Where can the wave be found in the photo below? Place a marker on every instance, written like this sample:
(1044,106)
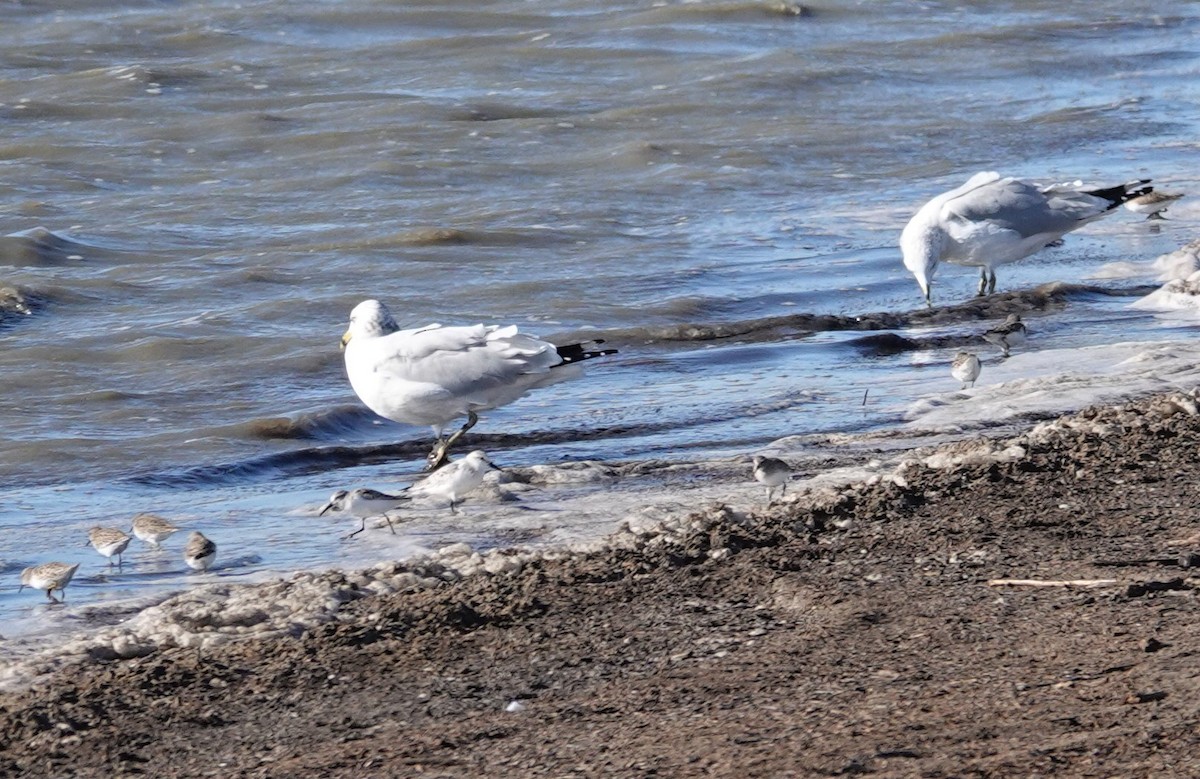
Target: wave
(325,458)
(1047,297)
(317,425)
(39,246)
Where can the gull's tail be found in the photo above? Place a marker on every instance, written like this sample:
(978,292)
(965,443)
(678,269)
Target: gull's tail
(1122,192)
(573,353)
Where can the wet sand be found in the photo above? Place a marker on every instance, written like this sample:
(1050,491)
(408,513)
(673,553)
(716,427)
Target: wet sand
(850,631)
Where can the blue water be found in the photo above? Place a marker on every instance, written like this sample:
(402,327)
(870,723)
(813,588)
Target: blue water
(198,196)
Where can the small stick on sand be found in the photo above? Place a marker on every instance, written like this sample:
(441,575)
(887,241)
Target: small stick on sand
(1052,582)
(868,389)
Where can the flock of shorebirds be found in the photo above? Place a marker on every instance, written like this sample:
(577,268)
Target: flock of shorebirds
(434,375)
(199,553)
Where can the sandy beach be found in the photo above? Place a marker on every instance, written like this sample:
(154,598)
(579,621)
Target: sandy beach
(863,630)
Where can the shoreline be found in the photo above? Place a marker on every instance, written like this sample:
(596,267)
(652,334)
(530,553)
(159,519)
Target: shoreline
(846,629)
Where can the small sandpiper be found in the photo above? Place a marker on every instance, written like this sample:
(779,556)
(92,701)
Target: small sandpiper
(965,368)
(199,553)
(152,529)
(772,472)
(453,481)
(364,503)
(1011,333)
(49,577)
(1152,204)
(109,541)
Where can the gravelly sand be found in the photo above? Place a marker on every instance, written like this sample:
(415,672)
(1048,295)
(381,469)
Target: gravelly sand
(849,631)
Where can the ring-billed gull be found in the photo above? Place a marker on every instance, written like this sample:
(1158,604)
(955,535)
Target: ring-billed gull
(1011,333)
(772,472)
(991,221)
(965,368)
(1152,204)
(49,577)
(432,375)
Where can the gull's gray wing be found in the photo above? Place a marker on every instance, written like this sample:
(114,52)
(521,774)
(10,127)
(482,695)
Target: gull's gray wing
(1010,204)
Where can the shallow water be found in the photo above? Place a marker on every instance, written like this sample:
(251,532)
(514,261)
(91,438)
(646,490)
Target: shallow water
(197,196)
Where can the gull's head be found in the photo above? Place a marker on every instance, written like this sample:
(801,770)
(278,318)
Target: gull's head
(336,502)
(369,319)
(922,243)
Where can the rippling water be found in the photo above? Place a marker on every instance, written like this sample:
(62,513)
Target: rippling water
(198,194)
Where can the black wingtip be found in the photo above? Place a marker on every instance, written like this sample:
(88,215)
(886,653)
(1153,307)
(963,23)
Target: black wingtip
(1122,192)
(573,353)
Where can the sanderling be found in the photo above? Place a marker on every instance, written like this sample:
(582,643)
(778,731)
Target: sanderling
(991,221)
(152,529)
(109,541)
(49,577)
(364,503)
(1152,204)
(453,481)
(1011,333)
(199,553)
(432,375)
(772,472)
(965,368)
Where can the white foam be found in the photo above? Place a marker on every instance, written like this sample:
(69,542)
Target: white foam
(1178,295)
(1179,264)
(1056,381)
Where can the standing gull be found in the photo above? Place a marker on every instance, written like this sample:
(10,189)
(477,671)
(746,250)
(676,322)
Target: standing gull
(991,221)
(965,368)
(432,375)
(1011,333)
(48,577)
(1152,204)
(773,473)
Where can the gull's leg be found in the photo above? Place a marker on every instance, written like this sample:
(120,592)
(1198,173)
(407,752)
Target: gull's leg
(440,454)
(389,521)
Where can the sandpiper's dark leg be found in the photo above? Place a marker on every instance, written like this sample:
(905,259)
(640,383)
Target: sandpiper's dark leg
(361,528)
